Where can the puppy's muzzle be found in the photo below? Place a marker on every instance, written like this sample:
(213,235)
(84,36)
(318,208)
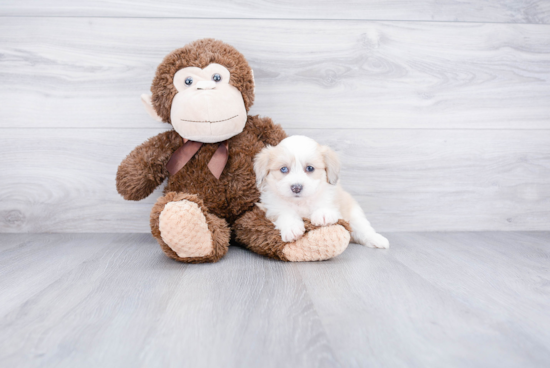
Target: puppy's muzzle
(296,188)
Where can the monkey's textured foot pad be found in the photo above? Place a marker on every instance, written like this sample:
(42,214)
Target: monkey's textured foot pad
(183,228)
(258,234)
(318,244)
(186,231)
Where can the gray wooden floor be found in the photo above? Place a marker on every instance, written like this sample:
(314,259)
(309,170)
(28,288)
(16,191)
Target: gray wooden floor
(432,300)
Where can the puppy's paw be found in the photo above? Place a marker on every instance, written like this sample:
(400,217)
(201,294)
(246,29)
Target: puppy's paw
(291,227)
(372,240)
(292,232)
(378,241)
(324,217)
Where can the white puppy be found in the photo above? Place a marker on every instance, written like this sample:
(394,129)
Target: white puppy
(299,178)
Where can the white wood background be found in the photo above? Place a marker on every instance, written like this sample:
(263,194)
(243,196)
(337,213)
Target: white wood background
(440,110)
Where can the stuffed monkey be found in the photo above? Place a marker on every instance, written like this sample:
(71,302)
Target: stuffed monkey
(205,90)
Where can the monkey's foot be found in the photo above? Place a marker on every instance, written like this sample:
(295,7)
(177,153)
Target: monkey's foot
(183,227)
(186,231)
(318,244)
(259,234)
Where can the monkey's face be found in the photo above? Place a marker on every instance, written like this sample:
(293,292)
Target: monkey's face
(206,107)
(204,90)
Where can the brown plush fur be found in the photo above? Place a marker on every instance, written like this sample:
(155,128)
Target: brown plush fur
(255,230)
(200,54)
(217,226)
(144,168)
(234,193)
(222,201)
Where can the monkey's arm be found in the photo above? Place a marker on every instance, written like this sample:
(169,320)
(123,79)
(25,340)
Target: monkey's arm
(144,168)
(267,131)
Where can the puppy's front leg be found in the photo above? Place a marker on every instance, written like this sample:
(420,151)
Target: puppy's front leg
(325,216)
(291,227)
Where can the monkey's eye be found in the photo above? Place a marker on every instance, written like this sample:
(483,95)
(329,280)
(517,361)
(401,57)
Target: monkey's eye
(188,81)
(284,169)
(216,77)
(310,168)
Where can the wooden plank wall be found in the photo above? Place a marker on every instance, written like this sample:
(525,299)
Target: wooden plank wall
(440,110)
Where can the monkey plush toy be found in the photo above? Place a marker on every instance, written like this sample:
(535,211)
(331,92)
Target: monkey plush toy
(204,90)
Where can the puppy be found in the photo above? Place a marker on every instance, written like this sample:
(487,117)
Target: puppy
(299,178)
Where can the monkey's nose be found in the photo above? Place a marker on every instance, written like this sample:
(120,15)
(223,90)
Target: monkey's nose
(296,188)
(206,85)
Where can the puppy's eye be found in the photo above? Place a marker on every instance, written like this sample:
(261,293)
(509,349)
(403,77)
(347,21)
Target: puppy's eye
(284,169)
(310,168)
(188,81)
(216,77)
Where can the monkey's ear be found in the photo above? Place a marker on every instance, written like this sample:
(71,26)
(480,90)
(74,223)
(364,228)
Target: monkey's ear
(146,99)
(253,81)
(332,164)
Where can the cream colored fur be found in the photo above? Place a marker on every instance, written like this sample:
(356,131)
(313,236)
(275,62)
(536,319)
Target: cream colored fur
(321,199)
(183,227)
(320,244)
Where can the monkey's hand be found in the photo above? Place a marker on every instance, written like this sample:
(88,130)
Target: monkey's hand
(144,168)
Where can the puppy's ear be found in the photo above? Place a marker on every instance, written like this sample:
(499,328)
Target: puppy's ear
(332,164)
(261,165)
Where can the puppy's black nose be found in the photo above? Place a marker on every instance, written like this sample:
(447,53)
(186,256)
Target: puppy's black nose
(296,188)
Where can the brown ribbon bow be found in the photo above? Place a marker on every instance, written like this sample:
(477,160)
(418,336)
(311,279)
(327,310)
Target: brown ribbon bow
(188,150)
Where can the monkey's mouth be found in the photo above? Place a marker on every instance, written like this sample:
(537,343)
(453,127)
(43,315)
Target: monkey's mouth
(209,122)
